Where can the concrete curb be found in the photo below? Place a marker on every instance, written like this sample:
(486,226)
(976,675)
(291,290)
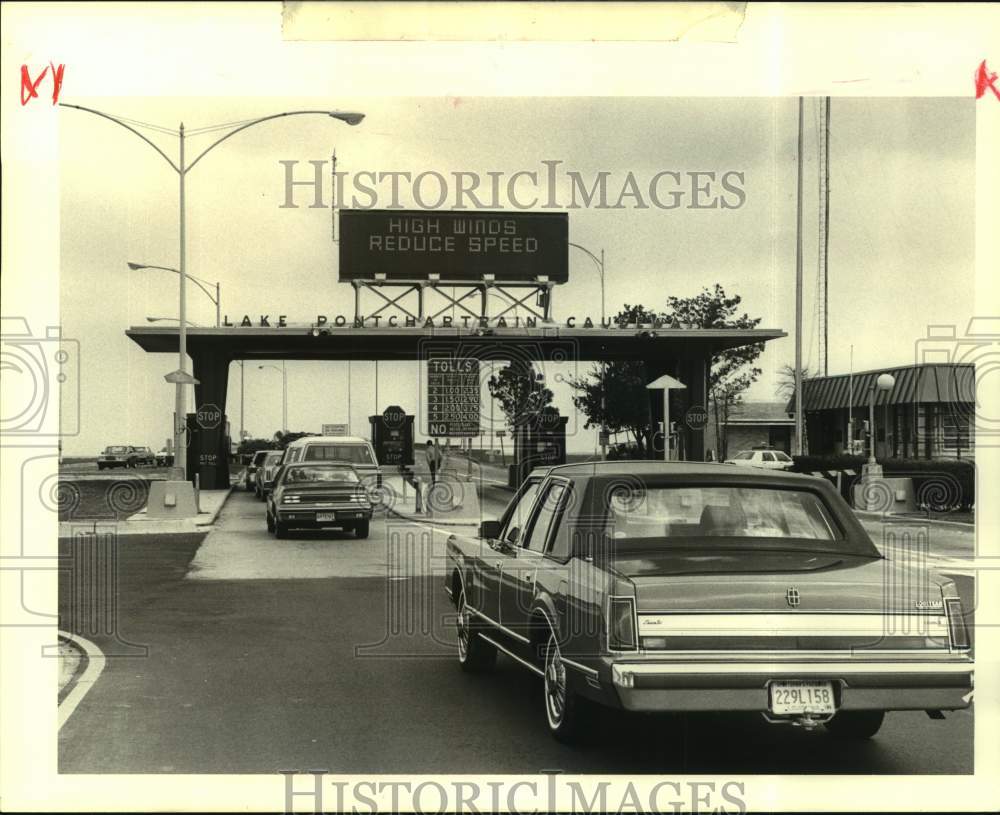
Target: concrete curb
(94,665)
(881,516)
(430,519)
(138,525)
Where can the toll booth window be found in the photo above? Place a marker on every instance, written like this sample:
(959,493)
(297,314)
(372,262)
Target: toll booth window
(350,453)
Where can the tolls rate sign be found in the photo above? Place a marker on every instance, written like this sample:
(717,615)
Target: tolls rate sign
(452,397)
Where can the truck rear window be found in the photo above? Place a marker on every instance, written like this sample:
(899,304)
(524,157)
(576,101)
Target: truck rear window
(349,453)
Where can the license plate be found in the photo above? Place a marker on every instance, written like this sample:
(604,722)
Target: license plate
(802,697)
(326,517)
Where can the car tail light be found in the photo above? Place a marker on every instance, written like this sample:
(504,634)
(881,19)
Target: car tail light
(621,624)
(958,633)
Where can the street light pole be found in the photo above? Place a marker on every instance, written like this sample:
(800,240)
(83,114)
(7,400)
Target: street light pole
(284,392)
(600,271)
(180,377)
(180,417)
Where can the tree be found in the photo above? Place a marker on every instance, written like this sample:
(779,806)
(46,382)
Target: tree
(282,440)
(520,391)
(615,399)
(250,446)
(732,371)
(786,380)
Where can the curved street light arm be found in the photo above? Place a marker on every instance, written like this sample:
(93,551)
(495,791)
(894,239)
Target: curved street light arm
(591,255)
(232,133)
(110,118)
(196,280)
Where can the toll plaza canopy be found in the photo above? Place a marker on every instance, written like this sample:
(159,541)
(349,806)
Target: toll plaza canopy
(683,353)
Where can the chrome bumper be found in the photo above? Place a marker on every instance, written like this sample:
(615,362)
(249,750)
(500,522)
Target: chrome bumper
(743,686)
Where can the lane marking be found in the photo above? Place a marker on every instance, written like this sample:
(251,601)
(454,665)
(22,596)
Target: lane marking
(95,665)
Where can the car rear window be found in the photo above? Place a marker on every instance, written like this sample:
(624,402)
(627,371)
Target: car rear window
(325,475)
(672,513)
(784,457)
(349,453)
(117,450)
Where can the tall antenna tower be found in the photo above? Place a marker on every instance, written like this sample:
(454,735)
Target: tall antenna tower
(824,234)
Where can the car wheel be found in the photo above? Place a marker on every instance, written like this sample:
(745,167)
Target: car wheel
(280,530)
(475,654)
(855,724)
(270,523)
(361,529)
(563,708)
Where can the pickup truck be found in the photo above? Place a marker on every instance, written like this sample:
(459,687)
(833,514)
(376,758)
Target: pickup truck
(675,586)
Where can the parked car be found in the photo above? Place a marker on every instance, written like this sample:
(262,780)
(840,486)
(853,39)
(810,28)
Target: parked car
(701,587)
(353,450)
(116,455)
(164,459)
(764,458)
(144,456)
(318,495)
(250,474)
(268,468)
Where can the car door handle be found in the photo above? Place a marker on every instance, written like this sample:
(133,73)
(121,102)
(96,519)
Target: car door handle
(498,565)
(529,578)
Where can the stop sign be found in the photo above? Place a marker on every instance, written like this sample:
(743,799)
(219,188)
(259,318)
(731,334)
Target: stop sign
(394,417)
(209,416)
(696,417)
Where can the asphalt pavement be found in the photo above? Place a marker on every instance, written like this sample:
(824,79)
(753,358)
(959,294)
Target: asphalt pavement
(238,653)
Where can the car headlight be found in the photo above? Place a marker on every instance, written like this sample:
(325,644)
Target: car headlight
(290,499)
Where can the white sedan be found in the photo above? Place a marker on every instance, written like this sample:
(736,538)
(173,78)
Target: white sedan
(765,459)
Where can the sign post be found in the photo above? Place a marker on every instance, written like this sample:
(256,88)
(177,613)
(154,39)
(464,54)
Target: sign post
(666,384)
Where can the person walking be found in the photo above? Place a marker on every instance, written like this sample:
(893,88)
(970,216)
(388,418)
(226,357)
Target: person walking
(433,454)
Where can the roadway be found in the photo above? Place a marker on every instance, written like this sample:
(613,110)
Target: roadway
(329,652)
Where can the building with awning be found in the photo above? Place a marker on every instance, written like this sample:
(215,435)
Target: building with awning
(928,413)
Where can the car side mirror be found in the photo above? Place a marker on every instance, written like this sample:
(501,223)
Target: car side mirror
(489,529)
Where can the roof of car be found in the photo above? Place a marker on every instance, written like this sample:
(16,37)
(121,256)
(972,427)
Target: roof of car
(323,463)
(328,439)
(633,467)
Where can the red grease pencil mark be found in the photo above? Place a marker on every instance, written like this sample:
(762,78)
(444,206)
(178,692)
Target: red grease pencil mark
(29,87)
(985,79)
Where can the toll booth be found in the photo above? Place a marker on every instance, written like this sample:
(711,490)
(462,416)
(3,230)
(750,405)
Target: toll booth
(538,442)
(208,449)
(392,437)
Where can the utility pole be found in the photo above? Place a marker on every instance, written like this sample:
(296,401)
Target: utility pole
(824,238)
(798,298)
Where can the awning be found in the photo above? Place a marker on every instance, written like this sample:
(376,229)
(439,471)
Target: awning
(915,384)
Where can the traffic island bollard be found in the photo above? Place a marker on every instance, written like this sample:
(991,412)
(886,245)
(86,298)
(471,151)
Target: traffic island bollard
(418,490)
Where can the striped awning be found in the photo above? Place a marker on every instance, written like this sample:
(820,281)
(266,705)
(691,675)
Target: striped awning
(915,384)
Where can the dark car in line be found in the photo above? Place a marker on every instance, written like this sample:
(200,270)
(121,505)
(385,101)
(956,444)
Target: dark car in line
(318,495)
(266,471)
(250,474)
(117,455)
(144,457)
(669,586)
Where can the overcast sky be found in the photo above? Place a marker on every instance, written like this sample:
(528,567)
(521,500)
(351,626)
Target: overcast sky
(901,229)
